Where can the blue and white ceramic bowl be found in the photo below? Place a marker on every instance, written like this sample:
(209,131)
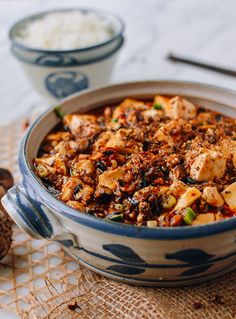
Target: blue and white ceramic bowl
(138,255)
(55,74)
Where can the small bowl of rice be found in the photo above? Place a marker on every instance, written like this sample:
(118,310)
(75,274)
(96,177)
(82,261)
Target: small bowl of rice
(64,51)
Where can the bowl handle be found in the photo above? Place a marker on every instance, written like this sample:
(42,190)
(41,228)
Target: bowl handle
(33,221)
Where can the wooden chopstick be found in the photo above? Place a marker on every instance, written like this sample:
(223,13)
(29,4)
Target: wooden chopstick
(215,68)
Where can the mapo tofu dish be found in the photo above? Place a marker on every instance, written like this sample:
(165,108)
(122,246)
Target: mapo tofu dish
(156,163)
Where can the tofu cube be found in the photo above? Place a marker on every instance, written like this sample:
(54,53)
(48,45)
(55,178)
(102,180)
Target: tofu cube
(188,198)
(208,166)
(229,195)
(108,181)
(162,100)
(180,108)
(212,196)
(203,219)
(177,188)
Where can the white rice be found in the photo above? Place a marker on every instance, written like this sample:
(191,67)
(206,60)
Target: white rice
(66,30)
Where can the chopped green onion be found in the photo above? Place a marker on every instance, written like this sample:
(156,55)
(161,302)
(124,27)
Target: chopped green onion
(41,171)
(115,120)
(189,215)
(158,106)
(168,201)
(59,112)
(115,217)
(119,207)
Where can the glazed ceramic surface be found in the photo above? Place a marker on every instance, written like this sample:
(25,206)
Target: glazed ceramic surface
(55,74)
(139,255)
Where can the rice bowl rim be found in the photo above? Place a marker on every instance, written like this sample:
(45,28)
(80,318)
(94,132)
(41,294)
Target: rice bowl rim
(34,16)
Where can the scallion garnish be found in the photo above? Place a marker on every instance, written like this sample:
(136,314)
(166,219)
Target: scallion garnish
(189,215)
(115,217)
(157,106)
(59,113)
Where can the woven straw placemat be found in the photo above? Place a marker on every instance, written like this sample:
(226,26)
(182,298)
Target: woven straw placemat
(39,280)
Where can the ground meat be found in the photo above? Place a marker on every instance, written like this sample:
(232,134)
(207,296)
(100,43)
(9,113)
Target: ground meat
(159,163)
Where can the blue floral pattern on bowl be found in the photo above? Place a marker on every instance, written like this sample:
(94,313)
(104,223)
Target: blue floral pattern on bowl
(130,263)
(63,83)
(56,60)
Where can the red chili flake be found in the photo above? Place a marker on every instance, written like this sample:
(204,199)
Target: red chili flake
(197,305)
(25,125)
(73,307)
(158,181)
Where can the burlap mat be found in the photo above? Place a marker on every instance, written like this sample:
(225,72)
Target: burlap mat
(38,280)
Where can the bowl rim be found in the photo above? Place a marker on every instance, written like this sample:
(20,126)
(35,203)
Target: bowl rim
(79,63)
(144,232)
(24,47)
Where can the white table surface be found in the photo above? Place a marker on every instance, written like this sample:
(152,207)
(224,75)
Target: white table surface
(202,29)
